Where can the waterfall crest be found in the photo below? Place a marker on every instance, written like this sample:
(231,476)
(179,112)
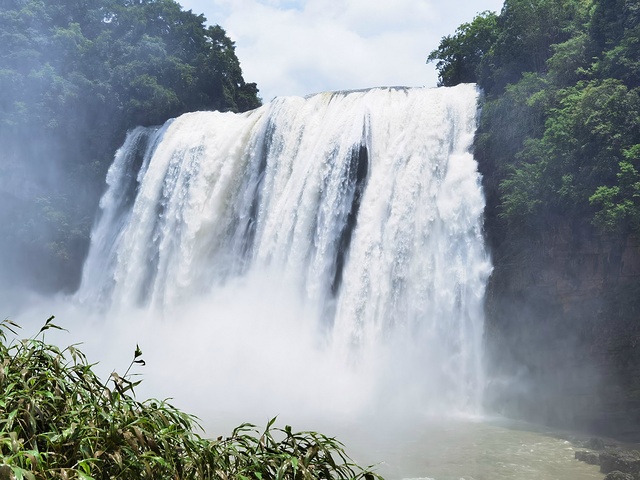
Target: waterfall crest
(366,204)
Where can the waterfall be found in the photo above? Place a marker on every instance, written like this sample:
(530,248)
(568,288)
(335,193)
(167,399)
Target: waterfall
(365,205)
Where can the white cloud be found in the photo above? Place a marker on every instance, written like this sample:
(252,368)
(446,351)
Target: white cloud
(299,47)
(373,18)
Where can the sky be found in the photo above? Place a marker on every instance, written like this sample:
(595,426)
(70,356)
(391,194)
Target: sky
(299,47)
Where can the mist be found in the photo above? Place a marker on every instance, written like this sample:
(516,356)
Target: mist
(74,79)
(244,324)
(230,361)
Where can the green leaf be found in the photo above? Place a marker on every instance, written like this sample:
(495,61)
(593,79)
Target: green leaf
(21,473)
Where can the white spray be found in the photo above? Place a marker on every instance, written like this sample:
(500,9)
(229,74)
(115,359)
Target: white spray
(322,253)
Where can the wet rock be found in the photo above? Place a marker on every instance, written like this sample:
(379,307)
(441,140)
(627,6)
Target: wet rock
(595,444)
(591,458)
(616,475)
(627,462)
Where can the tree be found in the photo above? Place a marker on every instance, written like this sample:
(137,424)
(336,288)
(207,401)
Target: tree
(458,56)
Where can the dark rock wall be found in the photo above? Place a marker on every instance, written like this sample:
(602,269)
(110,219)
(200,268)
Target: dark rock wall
(563,328)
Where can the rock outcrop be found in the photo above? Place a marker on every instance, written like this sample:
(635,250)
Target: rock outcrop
(588,457)
(617,464)
(563,329)
(619,476)
(627,462)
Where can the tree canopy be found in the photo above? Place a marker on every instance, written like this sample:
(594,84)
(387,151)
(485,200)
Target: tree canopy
(560,128)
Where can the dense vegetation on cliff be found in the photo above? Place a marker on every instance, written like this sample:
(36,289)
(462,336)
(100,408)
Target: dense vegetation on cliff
(558,146)
(58,420)
(74,77)
(560,131)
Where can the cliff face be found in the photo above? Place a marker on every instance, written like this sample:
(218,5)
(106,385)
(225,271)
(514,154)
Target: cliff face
(563,329)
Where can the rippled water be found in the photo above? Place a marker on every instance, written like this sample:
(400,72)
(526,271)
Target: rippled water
(470,450)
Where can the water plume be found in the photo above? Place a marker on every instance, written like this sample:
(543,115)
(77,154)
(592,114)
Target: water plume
(321,254)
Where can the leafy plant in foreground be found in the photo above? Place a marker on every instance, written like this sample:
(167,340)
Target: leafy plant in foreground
(59,420)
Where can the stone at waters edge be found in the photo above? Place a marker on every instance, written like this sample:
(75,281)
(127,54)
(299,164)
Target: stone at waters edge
(595,444)
(619,465)
(591,458)
(627,462)
(616,475)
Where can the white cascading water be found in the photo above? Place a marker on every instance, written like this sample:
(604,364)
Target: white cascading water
(365,206)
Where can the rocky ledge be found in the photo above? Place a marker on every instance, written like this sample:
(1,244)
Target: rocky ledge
(618,464)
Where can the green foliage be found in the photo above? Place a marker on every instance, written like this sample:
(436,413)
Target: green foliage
(585,135)
(58,420)
(567,64)
(561,116)
(458,57)
(522,195)
(620,204)
(526,31)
